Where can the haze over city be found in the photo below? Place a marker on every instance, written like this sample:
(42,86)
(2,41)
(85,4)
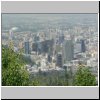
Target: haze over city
(51,43)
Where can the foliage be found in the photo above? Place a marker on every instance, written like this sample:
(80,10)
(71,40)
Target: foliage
(53,78)
(13,71)
(84,77)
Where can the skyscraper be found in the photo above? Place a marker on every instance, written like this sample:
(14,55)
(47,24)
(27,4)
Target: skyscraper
(27,49)
(77,47)
(34,47)
(59,59)
(68,51)
(49,58)
(83,48)
(10,35)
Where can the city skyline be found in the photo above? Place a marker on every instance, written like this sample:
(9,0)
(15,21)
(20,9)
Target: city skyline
(53,42)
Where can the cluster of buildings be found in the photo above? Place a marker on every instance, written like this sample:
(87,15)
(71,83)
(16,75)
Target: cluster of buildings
(55,49)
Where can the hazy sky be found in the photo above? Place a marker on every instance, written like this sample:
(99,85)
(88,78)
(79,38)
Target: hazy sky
(81,16)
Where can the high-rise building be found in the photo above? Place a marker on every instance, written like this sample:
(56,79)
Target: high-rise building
(77,47)
(27,49)
(59,59)
(49,58)
(47,46)
(34,47)
(10,35)
(43,47)
(61,38)
(68,51)
(36,38)
(83,48)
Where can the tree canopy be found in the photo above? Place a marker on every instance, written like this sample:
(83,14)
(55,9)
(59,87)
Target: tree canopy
(13,70)
(84,77)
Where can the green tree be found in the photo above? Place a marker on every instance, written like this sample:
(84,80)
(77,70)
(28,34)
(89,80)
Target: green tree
(66,75)
(13,70)
(84,77)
